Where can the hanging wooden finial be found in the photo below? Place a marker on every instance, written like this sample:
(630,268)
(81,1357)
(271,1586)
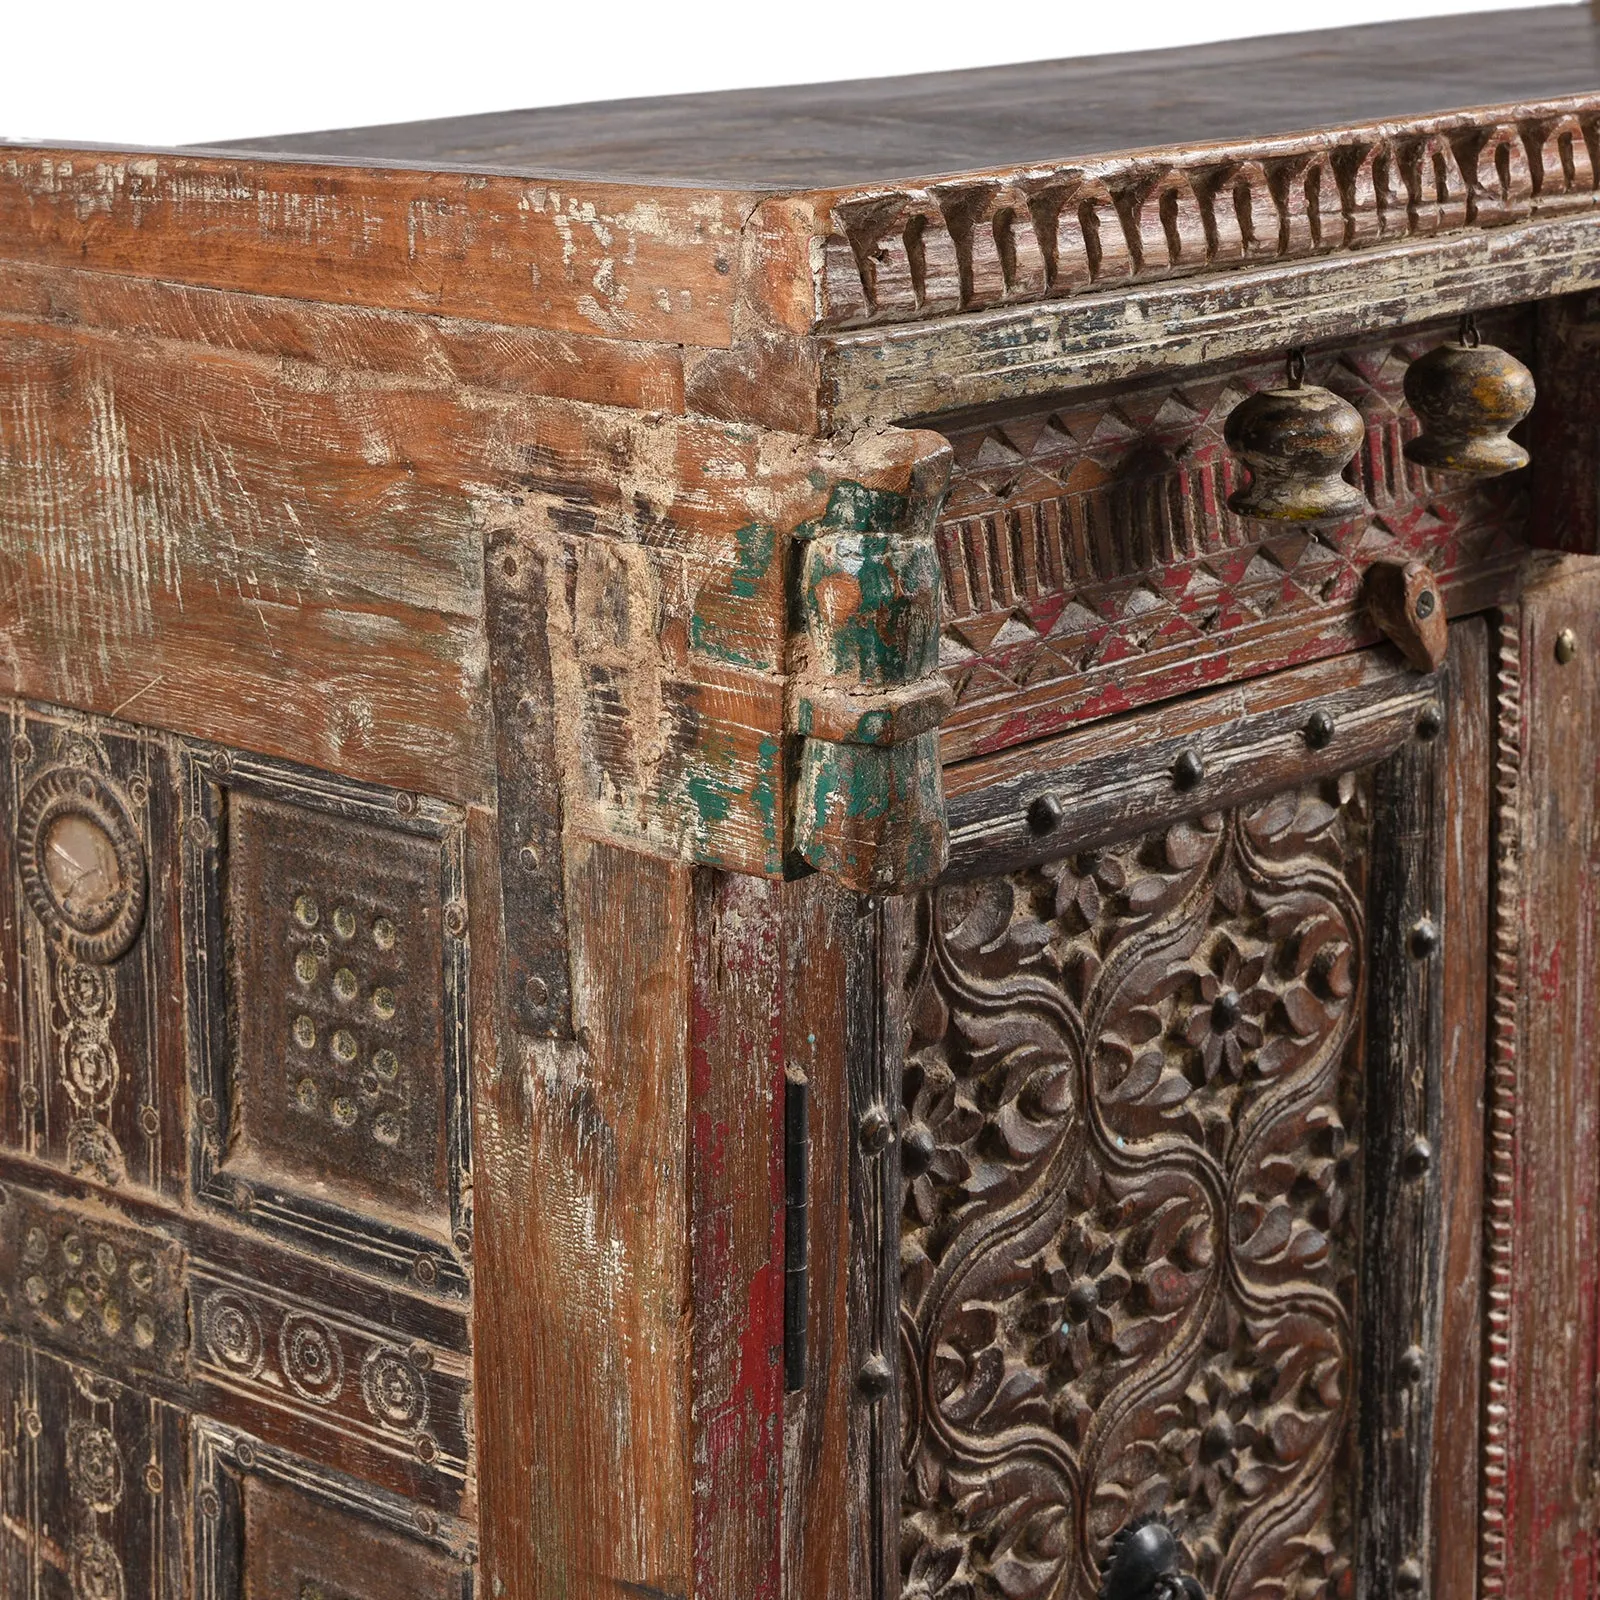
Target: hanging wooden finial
(1468,396)
(1296,441)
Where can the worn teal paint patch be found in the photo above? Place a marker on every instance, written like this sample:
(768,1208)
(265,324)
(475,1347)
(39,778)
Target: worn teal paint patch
(769,763)
(713,800)
(854,508)
(755,543)
(891,633)
(721,626)
(872,816)
(710,785)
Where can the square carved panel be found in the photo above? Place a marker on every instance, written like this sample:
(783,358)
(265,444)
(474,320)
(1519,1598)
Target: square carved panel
(269,1524)
(327,982)
(92,1288)
(338,961)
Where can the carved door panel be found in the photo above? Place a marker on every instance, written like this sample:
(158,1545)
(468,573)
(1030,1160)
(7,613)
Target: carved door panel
(1187,1030)
(235,1238)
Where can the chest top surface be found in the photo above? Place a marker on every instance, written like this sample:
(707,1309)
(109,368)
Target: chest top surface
(927,125)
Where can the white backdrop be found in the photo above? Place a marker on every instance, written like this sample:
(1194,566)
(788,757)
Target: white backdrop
(167,72)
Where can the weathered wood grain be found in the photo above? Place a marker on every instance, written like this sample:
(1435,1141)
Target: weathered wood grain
(612,260)
(584,1150)
(286,556)
(437,351)
(1453,1474)
(994,356)
(64,1450)
(176,549)
(875,1044)
(823,1546)
(1402,1245)
(736,1235)
(768,374)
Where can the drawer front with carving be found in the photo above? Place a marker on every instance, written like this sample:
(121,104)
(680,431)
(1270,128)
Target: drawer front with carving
(1091,563)
(235,1183)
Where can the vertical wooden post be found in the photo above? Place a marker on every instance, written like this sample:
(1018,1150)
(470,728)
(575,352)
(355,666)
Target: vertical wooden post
(1409,928)
(823,1550)
(584,1352)
(1544,1142)
(736,1236)
(1453,1475)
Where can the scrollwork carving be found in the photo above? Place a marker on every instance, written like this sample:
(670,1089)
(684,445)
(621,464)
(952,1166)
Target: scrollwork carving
(1127,1245)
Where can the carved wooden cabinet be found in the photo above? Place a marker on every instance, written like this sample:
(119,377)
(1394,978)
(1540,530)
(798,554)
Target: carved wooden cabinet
(684,915)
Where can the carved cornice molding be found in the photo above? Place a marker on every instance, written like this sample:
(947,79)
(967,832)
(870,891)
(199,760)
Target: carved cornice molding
(1050,232)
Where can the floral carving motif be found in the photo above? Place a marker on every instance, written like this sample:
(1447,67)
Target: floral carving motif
(1127,1246)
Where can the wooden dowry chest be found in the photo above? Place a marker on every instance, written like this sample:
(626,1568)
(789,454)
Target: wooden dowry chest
(737,868)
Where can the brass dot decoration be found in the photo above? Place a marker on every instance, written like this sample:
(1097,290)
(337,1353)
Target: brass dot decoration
(351,1007)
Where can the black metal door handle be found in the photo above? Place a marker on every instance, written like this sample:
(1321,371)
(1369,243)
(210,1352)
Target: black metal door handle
(1144,1565)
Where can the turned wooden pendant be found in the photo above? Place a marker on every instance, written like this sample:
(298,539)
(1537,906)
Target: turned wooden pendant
(1468,396)
(1296,441)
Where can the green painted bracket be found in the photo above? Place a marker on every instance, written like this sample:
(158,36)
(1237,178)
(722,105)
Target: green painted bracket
(865,696)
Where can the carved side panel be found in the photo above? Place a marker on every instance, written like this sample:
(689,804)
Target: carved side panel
(1130,1236)
(327,954)
(389,1398)
(92,1485)
(88,940)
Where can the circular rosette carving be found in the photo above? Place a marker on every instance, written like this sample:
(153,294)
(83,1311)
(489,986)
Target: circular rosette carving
(82,865)
(96,1570)
(232,1335)
(94,1466)
(393,1390)
(308,1350)
(92,1148)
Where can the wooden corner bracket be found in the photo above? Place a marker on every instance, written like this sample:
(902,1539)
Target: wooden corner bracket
(864,695)
(726,653)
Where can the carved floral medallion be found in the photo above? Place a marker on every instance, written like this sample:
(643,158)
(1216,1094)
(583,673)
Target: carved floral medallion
(1129,1232)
